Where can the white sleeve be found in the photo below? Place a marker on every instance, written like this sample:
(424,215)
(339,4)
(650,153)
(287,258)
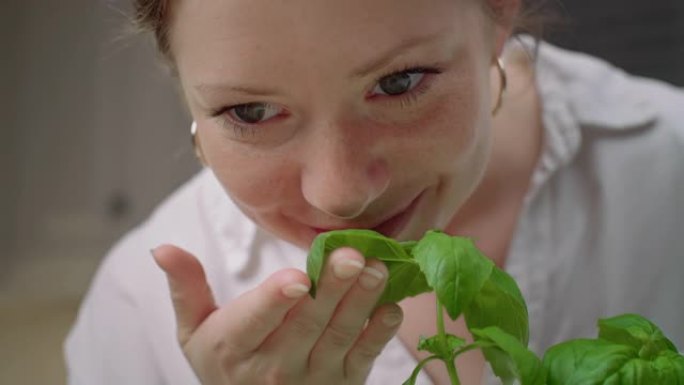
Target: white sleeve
(125,333)
(108,344)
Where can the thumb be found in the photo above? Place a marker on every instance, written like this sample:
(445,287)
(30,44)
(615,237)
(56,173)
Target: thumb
(190,292)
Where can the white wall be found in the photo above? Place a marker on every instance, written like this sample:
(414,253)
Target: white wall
(89,118)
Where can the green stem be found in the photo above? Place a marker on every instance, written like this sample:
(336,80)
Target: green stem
(451,367)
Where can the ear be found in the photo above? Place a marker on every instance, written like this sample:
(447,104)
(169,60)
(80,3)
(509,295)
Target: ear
(505,14)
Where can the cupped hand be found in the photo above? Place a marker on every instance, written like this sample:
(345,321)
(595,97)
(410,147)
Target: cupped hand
(276,333)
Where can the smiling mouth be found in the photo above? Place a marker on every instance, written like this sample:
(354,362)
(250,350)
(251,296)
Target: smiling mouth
(389,227)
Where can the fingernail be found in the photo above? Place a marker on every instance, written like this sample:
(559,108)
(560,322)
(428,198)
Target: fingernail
(296,290)
(392,319)
(370,278)
(347,268)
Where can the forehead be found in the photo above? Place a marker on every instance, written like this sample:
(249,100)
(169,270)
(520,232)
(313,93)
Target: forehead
(218,34)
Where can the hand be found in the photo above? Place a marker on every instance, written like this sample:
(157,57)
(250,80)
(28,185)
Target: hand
(276,333)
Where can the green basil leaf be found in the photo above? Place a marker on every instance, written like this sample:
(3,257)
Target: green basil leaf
(405,278)
(635,330)
(666,369)
(630,350)
(585,361)
(453,267)
(408,246)
(434,345)
(509,358)
(499,303)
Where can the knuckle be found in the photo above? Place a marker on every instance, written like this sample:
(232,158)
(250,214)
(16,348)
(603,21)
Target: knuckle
(367,353)
(227,351)
(258,321)
(306,326)
(276,376)
(267,373)
(223,350)
(259,369)
(340,336)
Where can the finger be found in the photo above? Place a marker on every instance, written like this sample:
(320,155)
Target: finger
(380,330)
(234,332)
(190,293)
(251,318)
(306,322)
(350,317)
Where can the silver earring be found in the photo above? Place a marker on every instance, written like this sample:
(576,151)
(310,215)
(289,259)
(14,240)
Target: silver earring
(195,143)
(504,83)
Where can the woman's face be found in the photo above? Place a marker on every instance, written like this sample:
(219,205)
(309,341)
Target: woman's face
(329,114)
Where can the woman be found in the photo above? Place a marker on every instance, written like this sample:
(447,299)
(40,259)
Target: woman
(389,115)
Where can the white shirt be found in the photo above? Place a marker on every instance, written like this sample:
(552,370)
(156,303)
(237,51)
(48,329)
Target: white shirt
(601,233)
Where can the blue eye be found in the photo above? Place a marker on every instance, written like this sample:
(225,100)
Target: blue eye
(399,83)
(254,113)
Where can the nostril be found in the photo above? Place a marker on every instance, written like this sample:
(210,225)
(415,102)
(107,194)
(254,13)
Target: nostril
(342,177)
(345,194)
(337,196)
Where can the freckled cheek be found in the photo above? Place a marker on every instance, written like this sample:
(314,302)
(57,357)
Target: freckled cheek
(258,183)
(445,129)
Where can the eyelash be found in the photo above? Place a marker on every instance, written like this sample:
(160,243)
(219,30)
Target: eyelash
(240,130)
(407,99)
(404,100)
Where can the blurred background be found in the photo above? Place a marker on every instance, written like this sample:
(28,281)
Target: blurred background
(94,135)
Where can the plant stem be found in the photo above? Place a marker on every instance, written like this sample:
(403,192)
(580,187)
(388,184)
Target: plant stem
(451,367)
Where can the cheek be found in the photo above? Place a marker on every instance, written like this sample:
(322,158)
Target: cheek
(255,181)
(467,142)
(458,125)
(451,128)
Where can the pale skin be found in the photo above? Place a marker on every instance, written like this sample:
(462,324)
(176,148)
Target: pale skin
(332,148)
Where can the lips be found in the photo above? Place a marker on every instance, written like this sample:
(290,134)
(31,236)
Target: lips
(389,227)
(392,226)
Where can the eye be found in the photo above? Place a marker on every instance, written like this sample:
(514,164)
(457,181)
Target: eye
(253,113)
(399,83)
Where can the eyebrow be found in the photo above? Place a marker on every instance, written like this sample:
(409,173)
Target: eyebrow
(375,65)
(247,90)
(388,56)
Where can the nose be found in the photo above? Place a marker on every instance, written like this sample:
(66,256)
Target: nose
(344,175)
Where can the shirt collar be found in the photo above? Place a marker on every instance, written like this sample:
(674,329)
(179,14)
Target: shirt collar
(236,233)
(598,94)
(578,92)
